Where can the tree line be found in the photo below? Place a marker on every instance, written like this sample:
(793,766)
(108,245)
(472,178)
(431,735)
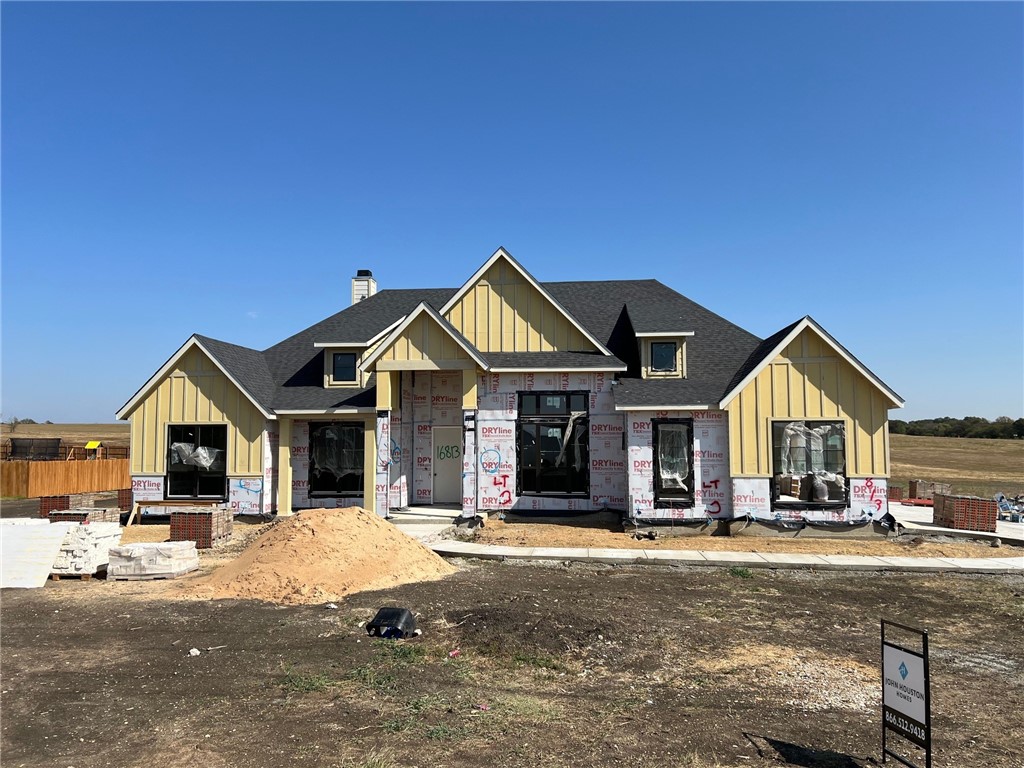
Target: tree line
(1003,428)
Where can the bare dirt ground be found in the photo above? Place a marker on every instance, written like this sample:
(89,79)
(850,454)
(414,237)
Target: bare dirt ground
(521,665)
(604,530)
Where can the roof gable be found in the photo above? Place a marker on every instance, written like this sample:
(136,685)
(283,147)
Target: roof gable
(241,366)
(775,344)
(502,308)
(425,337)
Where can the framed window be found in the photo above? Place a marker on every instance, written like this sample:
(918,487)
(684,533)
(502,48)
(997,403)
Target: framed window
(336,453)
(673,462)
(197,461)
(553,443)
(343,367)
(663,356)
(809,463)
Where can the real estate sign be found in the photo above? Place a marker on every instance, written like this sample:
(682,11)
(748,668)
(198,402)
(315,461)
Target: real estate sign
(905,693)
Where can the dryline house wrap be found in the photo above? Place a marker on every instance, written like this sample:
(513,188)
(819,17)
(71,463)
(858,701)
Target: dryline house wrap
(508,393)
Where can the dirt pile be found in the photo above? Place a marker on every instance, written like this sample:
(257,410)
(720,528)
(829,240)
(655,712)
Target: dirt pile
(320,555)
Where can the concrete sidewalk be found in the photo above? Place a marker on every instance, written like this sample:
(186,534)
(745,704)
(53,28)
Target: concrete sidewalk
(430,527)
(731,559)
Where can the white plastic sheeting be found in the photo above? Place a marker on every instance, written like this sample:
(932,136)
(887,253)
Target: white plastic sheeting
(195,456)
(28,549)
(673,456)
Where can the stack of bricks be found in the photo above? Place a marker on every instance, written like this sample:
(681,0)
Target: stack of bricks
(87,515)
(164,560)
(86,549)
(205,526)
(967,513)
(895,493)
(920,489)
(83,500)
(48,504)
(124,499)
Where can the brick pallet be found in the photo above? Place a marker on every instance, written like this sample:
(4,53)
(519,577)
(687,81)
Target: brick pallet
(895,493)
(86,549)
(205,526)
(919,489)
(967,513)
(48,504)
(165,560)
(87,515)
(124,499)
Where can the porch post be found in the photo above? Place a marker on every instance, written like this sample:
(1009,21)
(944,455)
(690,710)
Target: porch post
(469,460)
(284,468)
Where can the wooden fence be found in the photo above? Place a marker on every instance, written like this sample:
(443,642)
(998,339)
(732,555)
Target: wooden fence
(55,478)
(75,453)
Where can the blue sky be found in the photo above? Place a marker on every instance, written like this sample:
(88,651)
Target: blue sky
(225,168)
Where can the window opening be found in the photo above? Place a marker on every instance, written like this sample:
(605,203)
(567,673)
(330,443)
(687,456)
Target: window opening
(344,366)
(810,463)
(663,356)
(553,443)
(336,453)
(673,471)
(196,461)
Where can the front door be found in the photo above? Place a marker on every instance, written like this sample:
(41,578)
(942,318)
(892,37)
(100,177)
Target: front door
(447,461)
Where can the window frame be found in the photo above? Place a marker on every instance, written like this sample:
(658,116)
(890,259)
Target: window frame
(334,367)
(675,358)
(197,472)
(662,499)
(360,428)
(577,482)
(647,344)
(786,501)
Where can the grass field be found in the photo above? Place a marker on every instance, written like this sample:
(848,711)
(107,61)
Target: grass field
(971,465)
(71,434)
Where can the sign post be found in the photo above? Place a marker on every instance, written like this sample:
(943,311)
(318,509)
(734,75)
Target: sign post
(906,703)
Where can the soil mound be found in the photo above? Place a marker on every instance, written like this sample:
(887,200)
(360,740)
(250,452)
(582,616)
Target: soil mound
(320,555)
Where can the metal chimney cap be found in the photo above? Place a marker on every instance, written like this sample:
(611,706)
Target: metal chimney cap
(364,273)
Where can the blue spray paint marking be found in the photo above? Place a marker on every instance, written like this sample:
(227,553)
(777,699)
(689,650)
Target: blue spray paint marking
(490,466)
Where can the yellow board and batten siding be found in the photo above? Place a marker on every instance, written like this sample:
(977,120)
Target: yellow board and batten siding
(425,341)
(196,392)
(503,312)
(809,380)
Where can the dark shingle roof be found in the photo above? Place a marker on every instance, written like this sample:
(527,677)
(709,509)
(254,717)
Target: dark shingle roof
(713,353)
(758,355)
(246,366)
(289,375)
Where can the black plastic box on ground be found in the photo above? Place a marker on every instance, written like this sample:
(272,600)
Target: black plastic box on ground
(396,623)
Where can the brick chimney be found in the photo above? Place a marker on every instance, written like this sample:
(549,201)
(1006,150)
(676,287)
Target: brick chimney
(363,285)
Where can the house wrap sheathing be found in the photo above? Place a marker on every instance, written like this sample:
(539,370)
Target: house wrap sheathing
(511,394)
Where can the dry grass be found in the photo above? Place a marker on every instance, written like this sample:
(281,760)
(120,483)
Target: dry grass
(971,465)
(71,434)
